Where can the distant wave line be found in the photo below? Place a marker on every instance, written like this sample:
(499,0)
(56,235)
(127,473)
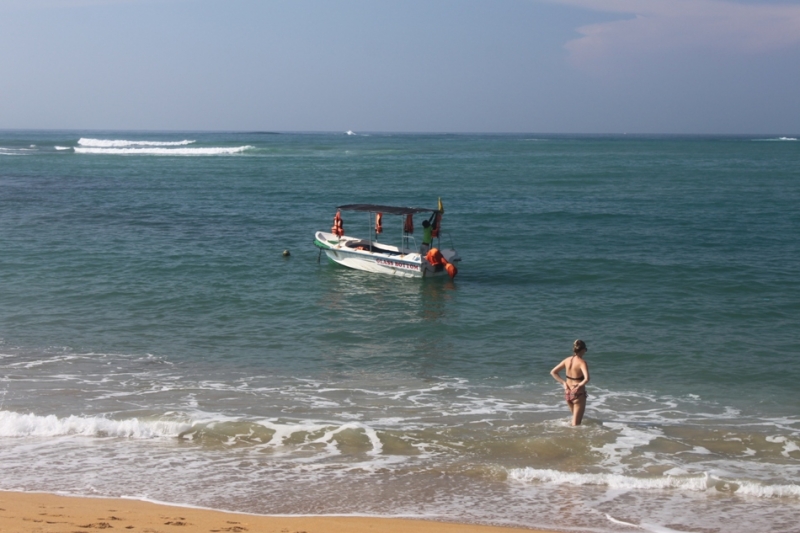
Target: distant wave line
(14,151)
(164,151)
(108,143)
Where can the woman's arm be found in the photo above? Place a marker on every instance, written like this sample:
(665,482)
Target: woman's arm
(556,370)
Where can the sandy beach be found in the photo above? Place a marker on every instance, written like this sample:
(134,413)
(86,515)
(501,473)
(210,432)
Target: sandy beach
(37,512)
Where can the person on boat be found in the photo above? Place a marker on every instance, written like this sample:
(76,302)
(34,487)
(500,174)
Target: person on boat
(427,234)
(577,374)
(427,237)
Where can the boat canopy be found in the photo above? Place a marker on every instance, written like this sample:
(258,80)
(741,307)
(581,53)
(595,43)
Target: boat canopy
(392,210)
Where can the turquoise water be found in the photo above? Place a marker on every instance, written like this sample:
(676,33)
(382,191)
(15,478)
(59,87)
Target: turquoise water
(149,325)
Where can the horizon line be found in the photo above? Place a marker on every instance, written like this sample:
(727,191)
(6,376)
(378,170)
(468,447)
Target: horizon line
(395,132)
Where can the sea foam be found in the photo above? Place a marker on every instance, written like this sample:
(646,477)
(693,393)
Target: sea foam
(614,481)
(694,483)
(277,434)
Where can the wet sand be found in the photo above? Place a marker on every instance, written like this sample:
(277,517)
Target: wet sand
(36,512)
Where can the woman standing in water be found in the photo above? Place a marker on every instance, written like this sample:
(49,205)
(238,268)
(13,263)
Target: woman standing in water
(577,372)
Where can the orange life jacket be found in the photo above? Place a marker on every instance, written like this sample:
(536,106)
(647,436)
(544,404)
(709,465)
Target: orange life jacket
(435,257)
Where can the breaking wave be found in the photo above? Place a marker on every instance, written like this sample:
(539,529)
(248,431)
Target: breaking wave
(267,433)
(29,425)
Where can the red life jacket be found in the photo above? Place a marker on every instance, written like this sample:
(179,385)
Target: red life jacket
(337,228)
(408,227)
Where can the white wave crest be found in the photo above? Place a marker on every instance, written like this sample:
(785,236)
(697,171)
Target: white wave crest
(108,143)
(21,425)
(779,139)
(696,483)
(164,151)
(59,148)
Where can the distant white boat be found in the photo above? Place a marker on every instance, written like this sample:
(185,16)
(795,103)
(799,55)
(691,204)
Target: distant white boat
(350,132)
(406,260)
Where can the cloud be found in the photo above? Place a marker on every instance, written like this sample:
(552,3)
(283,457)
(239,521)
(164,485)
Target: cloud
(653,26)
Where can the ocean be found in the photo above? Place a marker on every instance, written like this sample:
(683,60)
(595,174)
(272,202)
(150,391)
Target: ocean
(155,343)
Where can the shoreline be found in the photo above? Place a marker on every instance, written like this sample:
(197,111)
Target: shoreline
(35,512)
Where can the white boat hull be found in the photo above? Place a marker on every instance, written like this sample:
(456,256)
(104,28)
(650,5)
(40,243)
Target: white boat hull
(382,258)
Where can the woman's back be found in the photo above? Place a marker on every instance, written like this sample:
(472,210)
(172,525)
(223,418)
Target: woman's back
(574,366)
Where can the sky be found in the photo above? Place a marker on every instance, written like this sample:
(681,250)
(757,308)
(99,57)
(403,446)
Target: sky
(551,66)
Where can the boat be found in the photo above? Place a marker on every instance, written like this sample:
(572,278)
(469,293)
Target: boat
(408,260)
